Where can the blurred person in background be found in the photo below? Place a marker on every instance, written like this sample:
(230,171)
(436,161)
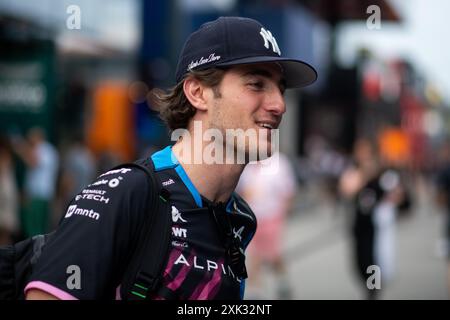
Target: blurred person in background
(78,169)
(443,199)
(9,197)
(42,161)
(269,187)
(376,192)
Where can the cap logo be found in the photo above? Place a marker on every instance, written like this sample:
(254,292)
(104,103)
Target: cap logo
(199,62)
(268,37)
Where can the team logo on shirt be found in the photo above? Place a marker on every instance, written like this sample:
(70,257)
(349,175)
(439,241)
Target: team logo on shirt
(179,232)
(111,183)
(74,210)
(176,215)
(122,171)
(206,265)
(183,244)
(238,233)
(90,196)
(168,183)
(241,212)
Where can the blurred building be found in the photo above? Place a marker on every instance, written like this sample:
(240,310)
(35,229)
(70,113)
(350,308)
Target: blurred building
(304,29)
(74,80)
(57,58)
(27,75)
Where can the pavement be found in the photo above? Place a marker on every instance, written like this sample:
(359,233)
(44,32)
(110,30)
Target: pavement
(317,249)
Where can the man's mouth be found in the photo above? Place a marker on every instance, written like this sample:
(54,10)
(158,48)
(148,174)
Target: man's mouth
(267,125)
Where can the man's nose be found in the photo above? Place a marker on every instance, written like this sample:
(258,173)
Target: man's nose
(276,103)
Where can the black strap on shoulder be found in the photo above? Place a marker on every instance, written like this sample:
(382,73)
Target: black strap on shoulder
(145,268)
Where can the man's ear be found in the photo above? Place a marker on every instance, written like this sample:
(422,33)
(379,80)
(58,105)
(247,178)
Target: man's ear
(195,92)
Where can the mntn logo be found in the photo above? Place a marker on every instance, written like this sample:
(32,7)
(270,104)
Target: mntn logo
(81,212)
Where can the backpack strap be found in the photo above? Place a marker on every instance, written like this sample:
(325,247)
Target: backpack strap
(145,268)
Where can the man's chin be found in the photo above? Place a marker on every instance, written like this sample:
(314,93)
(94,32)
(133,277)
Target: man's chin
(263,152)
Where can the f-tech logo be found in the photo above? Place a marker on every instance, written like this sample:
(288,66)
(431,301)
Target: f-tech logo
(176,215)
(73,210)
(268,37)
(90,196)
(179,232)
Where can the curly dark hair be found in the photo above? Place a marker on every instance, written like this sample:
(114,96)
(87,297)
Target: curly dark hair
(173,106)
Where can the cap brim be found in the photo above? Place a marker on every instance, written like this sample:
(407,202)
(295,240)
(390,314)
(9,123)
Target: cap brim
(296,73)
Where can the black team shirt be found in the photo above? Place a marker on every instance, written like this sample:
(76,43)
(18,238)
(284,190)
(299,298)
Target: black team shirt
(97,231)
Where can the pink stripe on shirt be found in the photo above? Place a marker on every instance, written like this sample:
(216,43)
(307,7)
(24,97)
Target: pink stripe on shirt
(58,293)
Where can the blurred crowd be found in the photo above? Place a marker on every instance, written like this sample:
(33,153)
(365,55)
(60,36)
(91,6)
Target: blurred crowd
(38,180)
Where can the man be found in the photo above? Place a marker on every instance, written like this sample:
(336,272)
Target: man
(230,75)
(42,162)
(442,181)
(377,193)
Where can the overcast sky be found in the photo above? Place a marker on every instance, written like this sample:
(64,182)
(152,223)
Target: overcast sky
(423,37)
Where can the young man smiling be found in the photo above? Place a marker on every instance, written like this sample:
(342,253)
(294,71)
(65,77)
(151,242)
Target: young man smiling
(230,76)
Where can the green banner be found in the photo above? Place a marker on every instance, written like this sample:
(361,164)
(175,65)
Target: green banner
(27,81)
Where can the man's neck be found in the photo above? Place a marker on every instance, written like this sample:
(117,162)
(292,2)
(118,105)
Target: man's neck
(214,181)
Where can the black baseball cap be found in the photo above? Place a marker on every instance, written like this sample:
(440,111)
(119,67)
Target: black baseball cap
(230,41)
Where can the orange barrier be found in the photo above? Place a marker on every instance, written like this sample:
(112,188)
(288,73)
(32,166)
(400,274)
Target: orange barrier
(112,126)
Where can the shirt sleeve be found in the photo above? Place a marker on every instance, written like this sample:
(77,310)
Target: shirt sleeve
(87,255)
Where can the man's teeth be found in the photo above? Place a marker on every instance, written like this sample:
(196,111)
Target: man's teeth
(265,125)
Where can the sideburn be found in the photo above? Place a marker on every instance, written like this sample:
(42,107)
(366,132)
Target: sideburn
(216,92)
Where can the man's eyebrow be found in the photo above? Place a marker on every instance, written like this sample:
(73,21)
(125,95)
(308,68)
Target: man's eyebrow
(266,74)
(259,72)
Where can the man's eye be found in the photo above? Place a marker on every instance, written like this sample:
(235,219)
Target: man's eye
(256,85)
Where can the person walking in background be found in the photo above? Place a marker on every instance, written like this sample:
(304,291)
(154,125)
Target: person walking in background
(41,160)
(376,193)
(443,198)
(269,188)
(78,169)
(9,222)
